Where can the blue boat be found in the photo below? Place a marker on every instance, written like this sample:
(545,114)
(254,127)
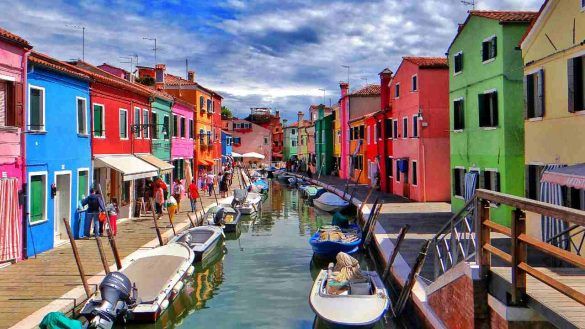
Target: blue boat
(328,241)
(260,186)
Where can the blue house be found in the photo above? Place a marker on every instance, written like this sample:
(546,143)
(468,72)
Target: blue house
(226,145)
(58,151)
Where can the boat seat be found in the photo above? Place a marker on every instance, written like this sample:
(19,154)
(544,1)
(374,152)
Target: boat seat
(200,236)
(360,287)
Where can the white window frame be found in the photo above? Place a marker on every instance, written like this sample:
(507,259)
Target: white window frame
(139,127)
(404,126)
(412,89)
(415,129)
(86,133)
(146,132)
(413,172)
(103,136)
(119,123)
(491,91)
(454,55)
(86,169)
(43,110)
(46,211)
(493,58)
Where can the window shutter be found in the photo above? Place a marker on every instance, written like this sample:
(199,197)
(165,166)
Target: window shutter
(481,110)
(494,108)
(494,46)
(495,181)
(454,181)
(481,179)
(571,83)
(19,105)
(527,79)
(484,51)
(539,108)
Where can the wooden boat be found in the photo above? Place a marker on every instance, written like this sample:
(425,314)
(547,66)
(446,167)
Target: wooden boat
(362,306)
(143,289)
(330,202)
(223,215)
(202,240)
(328,241)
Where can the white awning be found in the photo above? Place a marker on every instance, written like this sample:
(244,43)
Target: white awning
(163,166)
(253,155)
(236,155)
(130,166)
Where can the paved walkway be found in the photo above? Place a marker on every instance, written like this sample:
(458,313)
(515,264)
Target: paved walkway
(51,282)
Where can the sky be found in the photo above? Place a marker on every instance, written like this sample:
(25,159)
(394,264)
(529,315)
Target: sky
(261,53)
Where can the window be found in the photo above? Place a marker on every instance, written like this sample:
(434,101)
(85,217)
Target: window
(237,140)
(154,125)
(489,49)
(166,126)
(414,83)
(36,114)
(82,184)
(395,129)
(209,138)
(488,109)
(459,181)
(37,197)
(415,126)
(378,129)
(575,198)
(293,131)
(458,62)
(397,171)
(209,106)
(293,143)
(532,176)
(265,140)
(389,166)
(358,161)
(175,126)
(98,120)
(201,136)
(183,127)
(490,180)
(575,70)
(7,103)
(534,95)
(137,117)
(405,127)
(362,132)
(81,116)
(388,128)
(458,115)
(414,173)
(145,119)
(201,103)
(123,129)
(191,129)
(397,90)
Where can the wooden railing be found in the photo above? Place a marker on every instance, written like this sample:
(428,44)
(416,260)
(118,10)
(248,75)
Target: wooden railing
(517,258)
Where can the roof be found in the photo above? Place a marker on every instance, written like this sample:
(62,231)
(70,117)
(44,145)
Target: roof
(534,20)
(173,80)
(428,62)
(56,65)
(369,90)
(504,17)
(11,37)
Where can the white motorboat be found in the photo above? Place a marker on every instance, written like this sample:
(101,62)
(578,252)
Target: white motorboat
(143,289)
(246,202)
(202,240)
(361,306)
(330,202)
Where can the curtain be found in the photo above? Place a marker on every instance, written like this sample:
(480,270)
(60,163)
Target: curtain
(10,223)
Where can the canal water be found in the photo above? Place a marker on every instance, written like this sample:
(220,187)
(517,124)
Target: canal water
(262,276)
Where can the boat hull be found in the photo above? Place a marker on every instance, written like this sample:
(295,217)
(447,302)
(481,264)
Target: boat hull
(328,207)
(330,249)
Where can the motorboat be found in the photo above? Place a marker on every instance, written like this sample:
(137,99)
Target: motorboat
(259,186)
(330,202)
(223,215)
(330,240)
(201,239)
(143,289)
(284,178)
(359,301)
(312,191)
(246,202)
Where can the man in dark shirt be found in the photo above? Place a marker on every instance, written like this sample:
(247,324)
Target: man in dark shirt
(94,205)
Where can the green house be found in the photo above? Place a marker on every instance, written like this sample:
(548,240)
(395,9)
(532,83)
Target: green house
(324,142)
(486,107)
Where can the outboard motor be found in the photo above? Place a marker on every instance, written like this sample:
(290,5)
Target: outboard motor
(239,197)
(117,293)
(218,217)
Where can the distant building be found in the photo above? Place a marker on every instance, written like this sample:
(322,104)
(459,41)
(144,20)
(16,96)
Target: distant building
(290,140)
(226,145)
(263,117)
(249,137)
(324,142)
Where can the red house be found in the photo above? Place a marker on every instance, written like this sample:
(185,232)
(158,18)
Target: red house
(420,129)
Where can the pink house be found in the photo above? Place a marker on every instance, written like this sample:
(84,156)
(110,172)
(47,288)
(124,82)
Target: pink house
(420,130)
(344,124)
(182,145)
(249,137)
(13,64)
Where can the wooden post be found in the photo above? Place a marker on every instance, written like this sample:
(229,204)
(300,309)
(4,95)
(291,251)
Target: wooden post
(160,239)
(410,281)
(483,236)
(367,197)
(399,240)
(191,219)
(111,238)
(171,221)
(77,258)
(518,256)
(372,227)
(103,258)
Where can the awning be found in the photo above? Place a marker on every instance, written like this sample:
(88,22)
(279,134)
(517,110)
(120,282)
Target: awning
(236,155)
(571,176)
(163,167)
(130,166)
(253,155)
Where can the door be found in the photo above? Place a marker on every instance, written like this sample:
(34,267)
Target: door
(62,204)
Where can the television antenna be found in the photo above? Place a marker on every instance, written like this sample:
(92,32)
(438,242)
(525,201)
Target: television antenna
(82,28)
(471,3)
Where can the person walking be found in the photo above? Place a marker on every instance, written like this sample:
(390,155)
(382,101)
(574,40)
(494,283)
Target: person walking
(193,194)
(94,205)
(223,185)
(209,181)
(178,191)
(159,200)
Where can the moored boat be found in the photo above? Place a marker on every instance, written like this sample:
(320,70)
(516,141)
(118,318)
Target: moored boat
(246,202)
(201,239)
(330,202)
(328,241)
(223,215)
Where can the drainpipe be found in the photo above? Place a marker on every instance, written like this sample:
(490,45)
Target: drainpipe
(24,70)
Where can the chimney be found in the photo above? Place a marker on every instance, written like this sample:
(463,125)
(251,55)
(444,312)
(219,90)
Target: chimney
(385,78)
(344,88)
(191,76)
(277,113)
(159,76)
(300,118)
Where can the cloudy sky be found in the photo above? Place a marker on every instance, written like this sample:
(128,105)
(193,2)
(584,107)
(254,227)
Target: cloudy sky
(275,53)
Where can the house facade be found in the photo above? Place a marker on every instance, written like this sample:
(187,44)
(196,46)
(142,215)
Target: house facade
(290,141)
(380,123)
(183,140)
(249,137)
(344,168)
(264,117)
(554,107)
(420,107)
(226,146)
(324,142)
(336,126)
(58,156)
(486,107)
(13,62)
(216,131)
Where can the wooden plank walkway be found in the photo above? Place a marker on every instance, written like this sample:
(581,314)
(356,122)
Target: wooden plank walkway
(30,285)
(549,302)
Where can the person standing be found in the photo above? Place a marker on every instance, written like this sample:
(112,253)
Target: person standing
(223,185)
(178,191)
(193,194)
(159,200)
(209,181)
(94,205)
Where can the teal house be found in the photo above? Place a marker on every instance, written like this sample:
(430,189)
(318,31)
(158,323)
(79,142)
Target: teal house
(486,107)
(324,142)
(163,127)
(290,140)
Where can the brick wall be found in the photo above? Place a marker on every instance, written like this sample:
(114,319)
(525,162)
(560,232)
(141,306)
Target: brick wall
(497,322)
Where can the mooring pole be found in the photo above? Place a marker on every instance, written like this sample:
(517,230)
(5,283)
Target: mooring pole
(77,258)
(191,220)
(171,221)
(108,229)
(372,226)
(399,240)
(407,289)
(103,258)
(160,239)
(367,197)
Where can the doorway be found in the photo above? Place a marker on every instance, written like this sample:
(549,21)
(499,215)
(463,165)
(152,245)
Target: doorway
(62,203)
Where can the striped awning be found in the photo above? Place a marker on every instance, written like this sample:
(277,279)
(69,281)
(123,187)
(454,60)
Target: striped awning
(570,176)
(10,221)
(552,227)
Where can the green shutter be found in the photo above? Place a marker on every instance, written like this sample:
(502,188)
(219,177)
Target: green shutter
(97,121)
(35,109)
(37,198)
(82,182)
(539,109)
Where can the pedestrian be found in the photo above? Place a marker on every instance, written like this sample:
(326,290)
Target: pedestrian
(178,191)
(193,194)
(209,181)
(223,185)
(159,200)
(94,205)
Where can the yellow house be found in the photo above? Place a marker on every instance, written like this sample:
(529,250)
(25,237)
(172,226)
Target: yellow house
(553,56)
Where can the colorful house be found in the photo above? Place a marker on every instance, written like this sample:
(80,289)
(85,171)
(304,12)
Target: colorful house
(58,153)
(335,112)
(216,131)
(290,140)
(554,92)
(306,142)
(420,108)
(264,117)
(249,137)
(13,62)
(182,144)
(344,169)
(324,142)
(226,145)
(487,127)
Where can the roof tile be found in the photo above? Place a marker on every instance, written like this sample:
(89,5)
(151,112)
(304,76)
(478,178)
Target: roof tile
(14,38)
(428,62)
(506,16)
(369,90)
(55,64)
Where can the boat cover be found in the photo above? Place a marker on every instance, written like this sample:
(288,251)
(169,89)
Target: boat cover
(332,199)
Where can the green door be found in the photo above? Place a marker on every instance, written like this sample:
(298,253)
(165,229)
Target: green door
(82,182)
(97,120)
(37,198)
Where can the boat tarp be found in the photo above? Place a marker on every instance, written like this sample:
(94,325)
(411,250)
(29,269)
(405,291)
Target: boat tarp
(130,166)
(332,199)
(163,166)
(152,274)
